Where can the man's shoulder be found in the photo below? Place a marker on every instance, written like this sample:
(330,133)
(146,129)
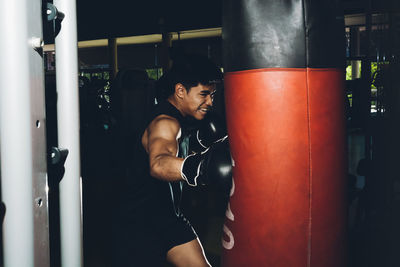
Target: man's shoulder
(164,122)
(166,108)
(165,119)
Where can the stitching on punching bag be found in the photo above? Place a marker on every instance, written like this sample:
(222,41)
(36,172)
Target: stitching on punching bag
(310,180)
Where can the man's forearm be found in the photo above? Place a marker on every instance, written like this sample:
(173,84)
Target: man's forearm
(166,167)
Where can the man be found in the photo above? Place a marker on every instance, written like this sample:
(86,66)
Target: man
(153,227)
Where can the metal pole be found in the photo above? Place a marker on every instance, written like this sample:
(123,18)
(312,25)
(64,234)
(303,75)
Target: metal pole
(366,77)
(113,57)
(66,47)
(166,45)
(22,135)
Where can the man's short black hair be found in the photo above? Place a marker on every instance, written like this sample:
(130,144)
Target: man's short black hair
(190,71)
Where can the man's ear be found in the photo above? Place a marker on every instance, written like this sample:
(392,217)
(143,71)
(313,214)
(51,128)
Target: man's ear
(180,90)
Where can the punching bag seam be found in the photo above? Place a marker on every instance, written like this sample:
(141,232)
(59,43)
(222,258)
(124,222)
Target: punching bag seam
(307,60)
(324,69)
(280,69)
(264,70)
(310,180)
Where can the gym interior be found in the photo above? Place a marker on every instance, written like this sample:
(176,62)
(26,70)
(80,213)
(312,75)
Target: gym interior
(123,49)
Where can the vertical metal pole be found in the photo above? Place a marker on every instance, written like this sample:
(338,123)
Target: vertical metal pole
(16,137)
(355,69)
(166,45)
(66,46)
(22,128)
(113,57)
(366,77)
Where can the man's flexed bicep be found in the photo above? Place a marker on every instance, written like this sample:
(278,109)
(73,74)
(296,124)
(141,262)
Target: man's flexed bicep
(160,142)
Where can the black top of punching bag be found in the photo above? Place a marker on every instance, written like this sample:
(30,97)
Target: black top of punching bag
(283,34)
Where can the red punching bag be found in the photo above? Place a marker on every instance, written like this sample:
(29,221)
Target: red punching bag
(284,92)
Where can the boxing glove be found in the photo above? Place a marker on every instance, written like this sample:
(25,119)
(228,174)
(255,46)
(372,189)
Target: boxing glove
(211,130)
(219,169)
(213,165)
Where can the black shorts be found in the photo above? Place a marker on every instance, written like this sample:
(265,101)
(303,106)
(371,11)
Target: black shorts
(145,242)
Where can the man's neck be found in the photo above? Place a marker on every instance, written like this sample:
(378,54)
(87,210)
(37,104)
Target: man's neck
(176,104)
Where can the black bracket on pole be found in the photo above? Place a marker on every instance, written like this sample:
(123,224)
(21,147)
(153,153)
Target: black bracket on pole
(53,13)
(56,161)
(58,155)
(55,16)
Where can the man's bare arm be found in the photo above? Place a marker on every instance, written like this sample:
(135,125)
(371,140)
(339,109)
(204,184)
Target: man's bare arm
(160,142)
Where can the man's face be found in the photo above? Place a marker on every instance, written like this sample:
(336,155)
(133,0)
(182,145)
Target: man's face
(198,101)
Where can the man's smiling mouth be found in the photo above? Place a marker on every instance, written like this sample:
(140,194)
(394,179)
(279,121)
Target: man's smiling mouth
(205,110)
